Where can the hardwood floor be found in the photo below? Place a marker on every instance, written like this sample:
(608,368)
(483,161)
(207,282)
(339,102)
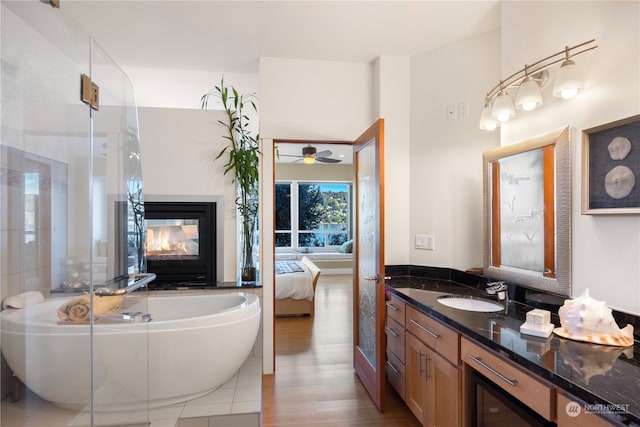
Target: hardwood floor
(314,383)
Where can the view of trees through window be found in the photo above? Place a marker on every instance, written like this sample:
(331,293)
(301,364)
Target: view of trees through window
(312,215)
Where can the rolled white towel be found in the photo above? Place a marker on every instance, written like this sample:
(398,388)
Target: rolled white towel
(23,300)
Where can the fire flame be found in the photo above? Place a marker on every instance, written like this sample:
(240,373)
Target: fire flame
(166,241)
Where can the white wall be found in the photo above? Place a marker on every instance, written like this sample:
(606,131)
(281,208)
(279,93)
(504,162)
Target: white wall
(606,249)
(392,102)
(446,154)
(179,147)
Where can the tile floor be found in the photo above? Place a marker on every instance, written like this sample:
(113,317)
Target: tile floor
(235,403)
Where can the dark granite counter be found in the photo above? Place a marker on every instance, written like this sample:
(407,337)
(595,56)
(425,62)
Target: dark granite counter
(603,376)
(202,286)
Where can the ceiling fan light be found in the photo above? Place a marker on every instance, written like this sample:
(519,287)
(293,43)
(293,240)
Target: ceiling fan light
(309,160)
(568,81)
(529,96)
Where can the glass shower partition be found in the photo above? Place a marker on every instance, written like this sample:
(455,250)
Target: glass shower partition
(74,331)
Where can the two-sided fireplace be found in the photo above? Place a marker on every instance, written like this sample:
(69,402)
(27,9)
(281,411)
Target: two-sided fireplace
(181,243)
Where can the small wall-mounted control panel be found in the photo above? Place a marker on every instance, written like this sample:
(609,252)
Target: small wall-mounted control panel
(425,241)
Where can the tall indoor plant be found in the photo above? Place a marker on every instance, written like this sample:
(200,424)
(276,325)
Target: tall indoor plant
(242,160)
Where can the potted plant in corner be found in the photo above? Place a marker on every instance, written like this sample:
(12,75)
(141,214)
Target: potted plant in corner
(242,160)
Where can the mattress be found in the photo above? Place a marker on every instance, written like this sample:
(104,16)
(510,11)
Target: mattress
(293,284)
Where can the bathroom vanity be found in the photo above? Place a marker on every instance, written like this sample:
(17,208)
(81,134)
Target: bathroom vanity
(459,367)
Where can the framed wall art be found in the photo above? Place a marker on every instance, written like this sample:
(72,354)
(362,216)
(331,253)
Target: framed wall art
(611,168)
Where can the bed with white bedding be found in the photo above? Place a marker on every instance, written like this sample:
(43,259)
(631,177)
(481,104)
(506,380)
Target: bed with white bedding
(295,287)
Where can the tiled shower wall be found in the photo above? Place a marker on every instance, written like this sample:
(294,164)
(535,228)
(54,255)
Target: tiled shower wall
(33,222)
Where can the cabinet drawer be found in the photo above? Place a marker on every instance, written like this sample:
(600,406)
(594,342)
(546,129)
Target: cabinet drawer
(396,309)
(395,373)
(533,392)
(395,338)
(569,417)
(434,334)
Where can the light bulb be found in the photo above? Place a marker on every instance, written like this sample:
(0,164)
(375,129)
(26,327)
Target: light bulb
(568,81)
(503,108)
(568,93)
(486,121)
(529,96)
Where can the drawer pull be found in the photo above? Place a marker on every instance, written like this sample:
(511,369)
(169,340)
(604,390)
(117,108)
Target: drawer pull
(436,336)
(392,307)
(393,368)
(493,371)
(391,332)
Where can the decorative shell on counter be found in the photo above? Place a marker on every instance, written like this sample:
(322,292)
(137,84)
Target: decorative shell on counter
(585,319)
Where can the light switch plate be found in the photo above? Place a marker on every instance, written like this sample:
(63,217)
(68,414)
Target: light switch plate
(425,241)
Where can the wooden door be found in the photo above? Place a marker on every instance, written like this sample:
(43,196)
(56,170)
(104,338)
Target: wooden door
(368,278)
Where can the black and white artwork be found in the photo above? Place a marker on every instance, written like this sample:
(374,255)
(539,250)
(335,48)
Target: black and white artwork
(611,168)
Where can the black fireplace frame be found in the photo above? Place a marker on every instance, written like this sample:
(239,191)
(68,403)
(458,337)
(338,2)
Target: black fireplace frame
(179,273)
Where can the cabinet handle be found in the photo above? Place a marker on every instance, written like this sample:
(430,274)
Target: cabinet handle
(436,336)
(426,368)
(391,331)
(393,368)
(420,363)
(493,371)
(392,307)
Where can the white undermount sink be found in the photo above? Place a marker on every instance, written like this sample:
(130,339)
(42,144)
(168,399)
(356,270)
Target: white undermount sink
(471,304)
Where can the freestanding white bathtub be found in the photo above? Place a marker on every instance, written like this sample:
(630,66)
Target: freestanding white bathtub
(192,345)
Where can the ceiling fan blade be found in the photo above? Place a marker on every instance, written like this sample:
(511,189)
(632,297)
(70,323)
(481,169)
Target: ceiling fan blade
(288,155)
(324,153)
(327,160)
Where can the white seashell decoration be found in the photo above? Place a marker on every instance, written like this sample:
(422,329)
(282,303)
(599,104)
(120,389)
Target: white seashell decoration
(586,319)
(619,182)
(619,148)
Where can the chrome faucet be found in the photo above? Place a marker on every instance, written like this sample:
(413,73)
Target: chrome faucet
(500,289)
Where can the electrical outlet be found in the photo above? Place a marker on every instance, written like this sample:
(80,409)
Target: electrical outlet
(425,241)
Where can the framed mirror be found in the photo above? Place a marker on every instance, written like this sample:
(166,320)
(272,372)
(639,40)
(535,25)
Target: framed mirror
(527,213)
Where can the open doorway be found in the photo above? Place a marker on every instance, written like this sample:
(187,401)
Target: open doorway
(314,222)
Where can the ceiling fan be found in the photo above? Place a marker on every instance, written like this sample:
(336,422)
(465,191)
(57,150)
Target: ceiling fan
(310,155)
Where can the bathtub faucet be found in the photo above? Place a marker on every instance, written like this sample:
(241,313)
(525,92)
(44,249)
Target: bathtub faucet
(136,317)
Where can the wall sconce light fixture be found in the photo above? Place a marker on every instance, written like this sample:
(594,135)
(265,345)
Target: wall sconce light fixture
(498,105)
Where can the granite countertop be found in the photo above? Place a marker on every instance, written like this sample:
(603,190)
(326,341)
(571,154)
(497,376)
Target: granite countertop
(597,374)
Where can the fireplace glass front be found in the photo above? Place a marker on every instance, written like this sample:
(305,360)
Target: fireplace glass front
(173,239)
(181,242)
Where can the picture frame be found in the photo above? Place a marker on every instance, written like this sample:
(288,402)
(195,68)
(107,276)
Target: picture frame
(611,168)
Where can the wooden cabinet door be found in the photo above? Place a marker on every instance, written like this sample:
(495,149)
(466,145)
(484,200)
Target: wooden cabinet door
(415,376)
(571,413)
(443,392)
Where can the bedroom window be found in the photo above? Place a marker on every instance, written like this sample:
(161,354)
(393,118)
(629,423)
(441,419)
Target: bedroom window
(312,215)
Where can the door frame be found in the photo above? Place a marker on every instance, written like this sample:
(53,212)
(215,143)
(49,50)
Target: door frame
(302,142)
